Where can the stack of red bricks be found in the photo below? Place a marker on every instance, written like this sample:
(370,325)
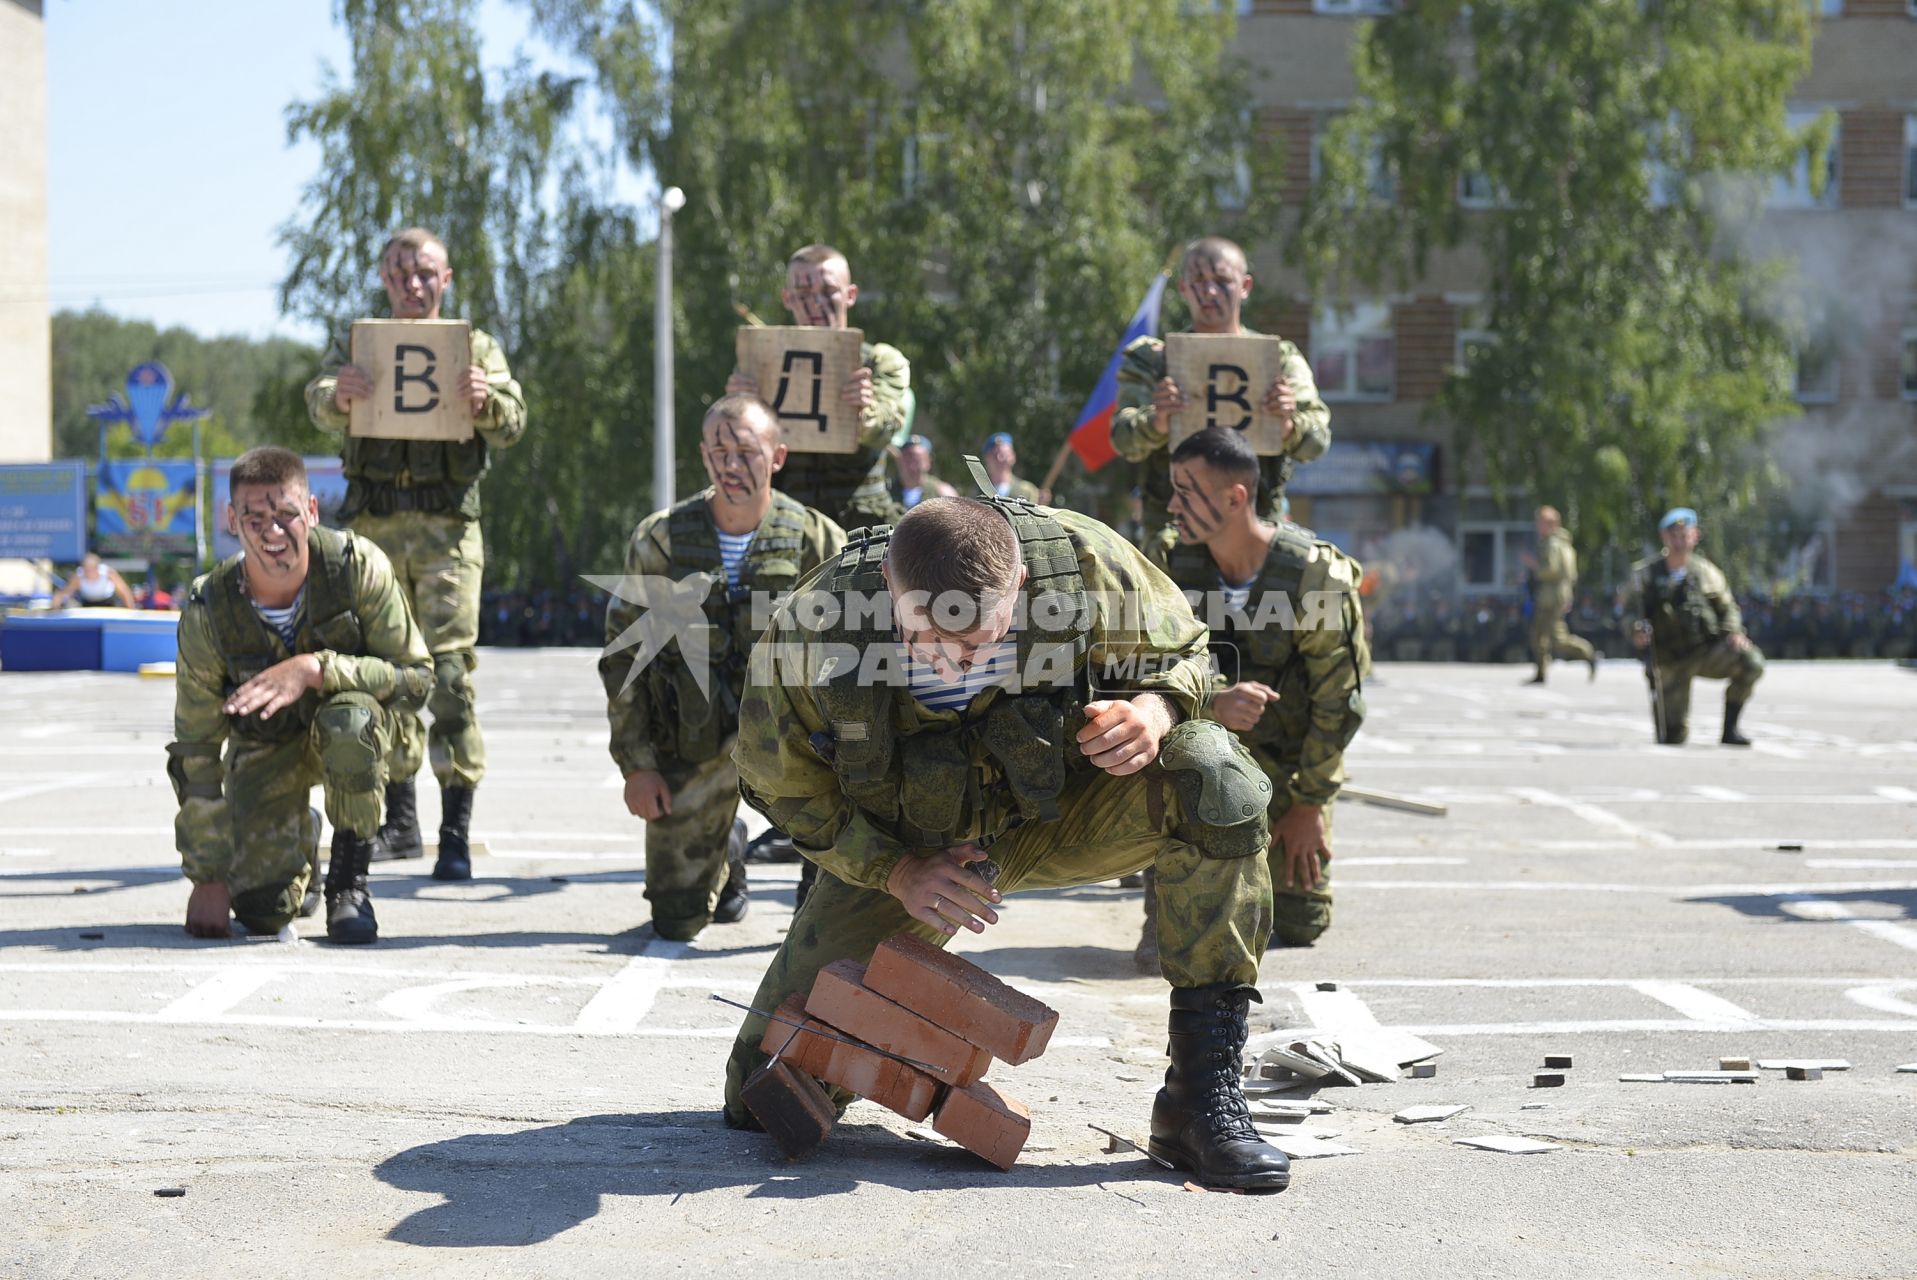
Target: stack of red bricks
(914,1001)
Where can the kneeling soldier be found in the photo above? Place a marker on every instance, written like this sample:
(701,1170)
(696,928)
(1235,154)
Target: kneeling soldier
(1690,626)
(673,726)
(944,694)
(300,655)
(1290,642)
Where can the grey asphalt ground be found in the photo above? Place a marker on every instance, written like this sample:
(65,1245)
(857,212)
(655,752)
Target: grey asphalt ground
(519,1080)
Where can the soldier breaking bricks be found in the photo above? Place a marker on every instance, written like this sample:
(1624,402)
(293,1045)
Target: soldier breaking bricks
(995,684)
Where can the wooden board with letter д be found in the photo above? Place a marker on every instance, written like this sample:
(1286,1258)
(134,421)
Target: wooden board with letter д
(414,366)
(800,370)
(1224,378)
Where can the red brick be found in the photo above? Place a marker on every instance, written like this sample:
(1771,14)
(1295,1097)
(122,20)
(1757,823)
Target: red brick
(989,1124)
(854,1067)
(791,1106)
(841,999)
(961,997)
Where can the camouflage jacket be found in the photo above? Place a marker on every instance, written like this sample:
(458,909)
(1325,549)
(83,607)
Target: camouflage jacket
(1141,637)
(1302,632)
(375,467)
(1137,437)
(1688,614)
(1555,580)
(805,539)
(390,663)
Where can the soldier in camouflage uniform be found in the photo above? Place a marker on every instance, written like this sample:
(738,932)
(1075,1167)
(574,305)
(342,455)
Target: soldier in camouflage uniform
(995,682)
(672,727)
(1288,641)
(1690,626)
(1214,281)
(1554,585)
(1000,458)
(848,487)
(301,657)
(419,501)
(912,481)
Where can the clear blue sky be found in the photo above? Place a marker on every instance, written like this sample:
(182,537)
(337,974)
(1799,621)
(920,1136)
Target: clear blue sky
(169,170)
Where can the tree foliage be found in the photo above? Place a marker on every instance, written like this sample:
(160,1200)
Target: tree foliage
(1639,360)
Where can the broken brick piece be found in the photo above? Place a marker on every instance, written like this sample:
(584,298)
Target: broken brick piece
(1558,1061)
(1424,1070)
(858,1068)
(1734,1064)
(841,1000)
(1548,1080)
(790,1105)
(961,997)
(990,1124)
(1803,1073)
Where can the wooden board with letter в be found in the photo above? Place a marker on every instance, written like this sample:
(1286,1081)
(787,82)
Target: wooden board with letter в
(800,370)
(1224,378)
(414,366)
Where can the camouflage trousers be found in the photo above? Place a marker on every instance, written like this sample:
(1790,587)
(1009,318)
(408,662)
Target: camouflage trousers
(1742,667)
(1551,638)
(686,849)
(267,804)
(1213,918)
(438,561)
(1298,915)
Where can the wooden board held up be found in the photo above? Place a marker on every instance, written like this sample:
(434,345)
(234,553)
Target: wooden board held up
(800,371)
(1224,378)
(414,366)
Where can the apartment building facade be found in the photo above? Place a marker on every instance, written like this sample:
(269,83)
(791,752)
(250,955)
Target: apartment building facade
(1855,244)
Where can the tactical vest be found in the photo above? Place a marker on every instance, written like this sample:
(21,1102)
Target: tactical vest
(687,725)
(249,646)
(932,788)
(413,475)
(1682,619)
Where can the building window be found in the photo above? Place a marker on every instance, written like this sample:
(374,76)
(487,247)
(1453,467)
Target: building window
(1354,354)
(1477,191)
(1816,381)
(1491,556)
(1378,172)
(1910,156)
(1475,335)
(1793,190)
(1231,189)
(1827,8)
(1350,8)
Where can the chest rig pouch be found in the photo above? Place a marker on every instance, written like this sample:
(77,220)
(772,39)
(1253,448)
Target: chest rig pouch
(249,646)
(691,724)
(924,773)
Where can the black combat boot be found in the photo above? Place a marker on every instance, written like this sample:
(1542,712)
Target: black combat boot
(1145,954)
(1200,1122)
(349,908)
(399,836)
(1732,738)
(455,861)
(733,899)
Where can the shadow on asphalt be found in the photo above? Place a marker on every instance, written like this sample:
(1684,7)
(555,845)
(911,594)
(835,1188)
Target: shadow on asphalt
(173,937)
(525,1188)
(115,878)
(1777,906)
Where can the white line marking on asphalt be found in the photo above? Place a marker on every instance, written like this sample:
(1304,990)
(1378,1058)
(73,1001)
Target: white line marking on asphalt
(1333,1010)
(71,782)
(1881,997)
(1755,843)
(1765,747)
(217,994)
(1809,907)
(623,1003)
(1596,815)
(1606,1026)
(1411,862)
(1860,864)
(1661,890)
(1904,794)
(1701,1005)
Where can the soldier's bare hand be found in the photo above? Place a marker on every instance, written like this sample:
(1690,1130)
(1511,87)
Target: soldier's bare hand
(1641,637)
(474,388)
(1167,399)
(1121,735)
(857,391)
(280,685)
(350,384)
(208,909)
(1281,402)
(740,384)
(647,795)
(1302,833)
(936,889)
(1740,642)
(1240,707)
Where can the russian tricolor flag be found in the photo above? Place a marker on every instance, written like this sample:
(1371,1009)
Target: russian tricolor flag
(1091,438)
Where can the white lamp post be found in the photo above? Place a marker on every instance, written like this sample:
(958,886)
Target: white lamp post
(671,200)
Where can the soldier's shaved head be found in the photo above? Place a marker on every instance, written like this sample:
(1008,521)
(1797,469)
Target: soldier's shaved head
(740,408)
(1215,249)
(742,447)
(816,254)
(416,270)
(413,238)
(1549,517)
(1214,282)
(270,466)
(957,545)
(818,287)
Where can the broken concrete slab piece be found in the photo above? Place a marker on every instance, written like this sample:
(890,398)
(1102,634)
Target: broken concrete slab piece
(1300,1147)
(1548,1080)
(1427,1115)
(1909,1069)
(1558,1061)
(1710,1077)
(1784,1064)
(1655,1077)
(1803,1073)
(1733,1064)
(1508,1144)
(1423,1070)
(1116,1142)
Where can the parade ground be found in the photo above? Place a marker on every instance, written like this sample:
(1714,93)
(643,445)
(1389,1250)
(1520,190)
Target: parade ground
(520,1080)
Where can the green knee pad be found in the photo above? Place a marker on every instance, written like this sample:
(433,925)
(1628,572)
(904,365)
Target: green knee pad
(678,917)
(268,908)
(1298,919)
(1221,788)
(346,730)
(451,701)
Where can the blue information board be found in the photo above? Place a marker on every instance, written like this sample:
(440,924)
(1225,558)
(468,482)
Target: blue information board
(43,511)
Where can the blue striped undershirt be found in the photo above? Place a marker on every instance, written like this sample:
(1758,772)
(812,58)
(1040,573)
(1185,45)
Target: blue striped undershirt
(995,665)
(285,621)
(732,550)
